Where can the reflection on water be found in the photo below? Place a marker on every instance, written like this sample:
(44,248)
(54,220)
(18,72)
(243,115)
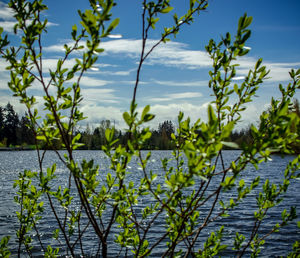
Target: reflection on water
(11,163)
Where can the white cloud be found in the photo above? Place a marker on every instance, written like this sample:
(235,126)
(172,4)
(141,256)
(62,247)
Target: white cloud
(7,25)
(99,96)
(4,74)
(117,73)
(132,83)
(182,83)
(20,107)
(7,18)
(86,81)
(51,63)
(238,78)
(176,54)
(127,46)
(50,24)
(171,111)
(177,96)
(97,113)
(92,82)
(199,111)
(170,54)
(59,48)
(115,36)
(279,72)
(5,12)
(184,95)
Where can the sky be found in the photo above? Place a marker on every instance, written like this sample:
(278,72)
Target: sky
(175,77)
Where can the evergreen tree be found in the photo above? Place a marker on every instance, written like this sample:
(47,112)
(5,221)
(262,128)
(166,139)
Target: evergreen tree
(165,130)
(86,138)
(11,124)
(25,134)
(167,127)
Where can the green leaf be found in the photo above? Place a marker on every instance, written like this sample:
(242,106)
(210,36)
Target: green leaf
(232,145)
(248,21)
(113,25)
(41,138)
(109,134)
(127,118)
(167,9)
(74,31)
(145,111)
(242,183)
(211,115)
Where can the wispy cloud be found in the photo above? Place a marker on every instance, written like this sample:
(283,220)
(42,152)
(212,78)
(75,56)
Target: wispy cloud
(51,63)
(59,47)
(184,95)
(92,81)
(96,113)
(176,96)
(171,111)
(170,54)
(176,54)
(99,96)
(163,112)
(116,73)
(130,47)
(7,26)
(279,72)
(181,83)
(5,12)
(7,20)
(194,111)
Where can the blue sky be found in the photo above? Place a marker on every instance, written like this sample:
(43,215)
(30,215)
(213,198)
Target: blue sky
(175,77)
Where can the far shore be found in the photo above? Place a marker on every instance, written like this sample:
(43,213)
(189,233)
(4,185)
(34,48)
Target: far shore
(15,149)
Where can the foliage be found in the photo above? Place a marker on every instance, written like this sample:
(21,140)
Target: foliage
(160,139)
(19,134)
(94,139)
(109,203)
(246,136)
(14,131)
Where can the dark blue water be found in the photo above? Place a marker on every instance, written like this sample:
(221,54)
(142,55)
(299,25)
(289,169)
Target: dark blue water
(241,219)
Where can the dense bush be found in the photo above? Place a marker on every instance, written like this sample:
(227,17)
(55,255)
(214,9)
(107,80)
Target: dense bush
(113,201)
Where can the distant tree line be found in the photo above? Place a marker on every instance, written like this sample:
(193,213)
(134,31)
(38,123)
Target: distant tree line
(93,139)
(15,132)
(13,128)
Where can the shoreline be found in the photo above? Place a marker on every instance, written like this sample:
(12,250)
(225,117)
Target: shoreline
(15,149)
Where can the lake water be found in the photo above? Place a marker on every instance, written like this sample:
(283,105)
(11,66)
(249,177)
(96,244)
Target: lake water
(11,163)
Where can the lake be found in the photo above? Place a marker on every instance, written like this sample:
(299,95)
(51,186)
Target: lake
(13,162)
